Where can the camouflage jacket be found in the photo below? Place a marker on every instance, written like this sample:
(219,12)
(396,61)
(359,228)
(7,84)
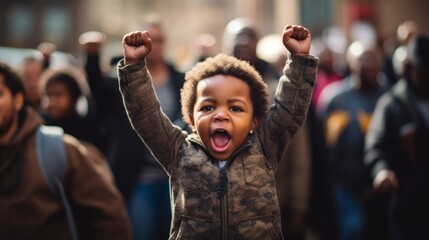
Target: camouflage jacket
(249,208)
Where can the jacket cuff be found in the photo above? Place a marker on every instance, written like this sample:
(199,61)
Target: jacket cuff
(131,67)
(307,60)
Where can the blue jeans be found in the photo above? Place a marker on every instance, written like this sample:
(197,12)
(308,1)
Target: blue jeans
(150,212)
(350,213)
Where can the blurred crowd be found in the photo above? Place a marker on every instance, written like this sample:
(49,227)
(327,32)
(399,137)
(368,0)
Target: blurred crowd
(357,170)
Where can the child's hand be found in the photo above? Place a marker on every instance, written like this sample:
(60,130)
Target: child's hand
(136,46)
(297,39)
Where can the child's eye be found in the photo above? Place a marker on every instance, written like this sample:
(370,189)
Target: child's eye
(236,109)
(206,108)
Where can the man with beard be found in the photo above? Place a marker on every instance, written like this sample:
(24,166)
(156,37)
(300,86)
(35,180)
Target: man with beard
(29,208)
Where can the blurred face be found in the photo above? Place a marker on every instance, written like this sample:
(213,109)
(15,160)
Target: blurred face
(158,44)
(57,102)
(9,107)
(326,60)
(245,45)
(369,68)
(420,80)
(223,114)
(31,72)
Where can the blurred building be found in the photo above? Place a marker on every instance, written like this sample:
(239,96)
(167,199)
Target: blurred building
(26,23)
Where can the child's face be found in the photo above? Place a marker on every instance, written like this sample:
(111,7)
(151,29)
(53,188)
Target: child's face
(57,102)
(223,114)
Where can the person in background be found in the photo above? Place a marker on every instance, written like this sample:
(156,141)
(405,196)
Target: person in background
(325,75)
(202,47)
(65,102)
(121,142)
(30,70)
(346,110)
(270,49)
(294,170)
(139,176)
(397,145)
(29,208)
(240,39)
(404,33)
(149,205)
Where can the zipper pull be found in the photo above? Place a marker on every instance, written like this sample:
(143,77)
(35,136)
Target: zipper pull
(223,183)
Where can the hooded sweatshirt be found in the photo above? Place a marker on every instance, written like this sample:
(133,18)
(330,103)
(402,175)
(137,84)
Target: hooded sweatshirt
(29,209)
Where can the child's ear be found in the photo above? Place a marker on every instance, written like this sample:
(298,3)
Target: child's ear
(19,101)
(255,122)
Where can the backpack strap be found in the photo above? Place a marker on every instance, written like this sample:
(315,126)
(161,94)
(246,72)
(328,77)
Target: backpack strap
(53,162)
(51,154)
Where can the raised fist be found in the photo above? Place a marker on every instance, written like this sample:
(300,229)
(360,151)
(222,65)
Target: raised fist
(136,46)
(297,39)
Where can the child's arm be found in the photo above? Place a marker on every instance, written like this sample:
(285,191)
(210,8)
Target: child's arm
(293,95)
(141,102)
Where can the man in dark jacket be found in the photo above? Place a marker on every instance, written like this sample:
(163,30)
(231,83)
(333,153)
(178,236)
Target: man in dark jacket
(29,208)
(397,145)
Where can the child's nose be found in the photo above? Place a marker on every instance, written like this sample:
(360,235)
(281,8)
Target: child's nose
(220,116)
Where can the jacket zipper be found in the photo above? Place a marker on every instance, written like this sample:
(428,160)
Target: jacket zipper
(224,219)
(222,189)
(221,194)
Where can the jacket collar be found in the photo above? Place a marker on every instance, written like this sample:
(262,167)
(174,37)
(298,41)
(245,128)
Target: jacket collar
(29,125)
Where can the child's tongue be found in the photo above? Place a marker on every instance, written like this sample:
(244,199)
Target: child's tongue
(220,140)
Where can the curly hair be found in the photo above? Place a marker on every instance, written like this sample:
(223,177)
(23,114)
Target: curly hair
(222,64)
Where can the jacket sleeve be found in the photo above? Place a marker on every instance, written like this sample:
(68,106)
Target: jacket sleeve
(289,111)
(378,138)
(156,130)
(98,207)
(97,83)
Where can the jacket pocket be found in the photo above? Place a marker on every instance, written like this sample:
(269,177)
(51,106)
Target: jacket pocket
(260,228)
(195,228)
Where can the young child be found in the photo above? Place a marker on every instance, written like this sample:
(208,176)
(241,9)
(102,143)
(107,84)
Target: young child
(60,91)
(222,175)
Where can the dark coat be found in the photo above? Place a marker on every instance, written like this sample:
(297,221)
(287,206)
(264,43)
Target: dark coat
(398,140)
(125,151)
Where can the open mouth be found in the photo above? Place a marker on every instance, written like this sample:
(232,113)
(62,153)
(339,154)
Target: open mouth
(220,140)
